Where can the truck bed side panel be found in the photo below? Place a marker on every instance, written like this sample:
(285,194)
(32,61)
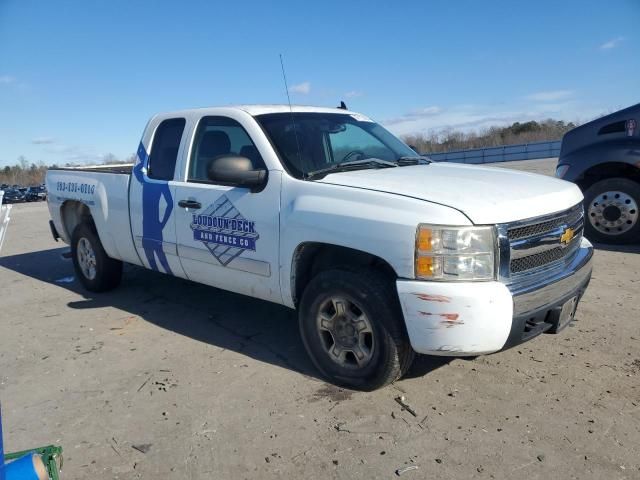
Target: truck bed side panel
(106,196)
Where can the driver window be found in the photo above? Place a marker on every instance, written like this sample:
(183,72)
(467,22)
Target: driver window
(354,143)
(216,137)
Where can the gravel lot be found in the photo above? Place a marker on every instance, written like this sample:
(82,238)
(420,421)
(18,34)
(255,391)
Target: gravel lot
(164,378)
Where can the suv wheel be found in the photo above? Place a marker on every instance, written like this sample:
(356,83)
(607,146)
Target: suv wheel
(352,328)
(611,208)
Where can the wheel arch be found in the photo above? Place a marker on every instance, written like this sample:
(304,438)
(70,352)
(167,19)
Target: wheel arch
(72,214)
(603,171)
(311,258)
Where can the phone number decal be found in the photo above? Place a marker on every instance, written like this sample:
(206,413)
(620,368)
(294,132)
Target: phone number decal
(74,187)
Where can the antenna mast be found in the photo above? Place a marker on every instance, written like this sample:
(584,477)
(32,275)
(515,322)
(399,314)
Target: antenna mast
(293,121)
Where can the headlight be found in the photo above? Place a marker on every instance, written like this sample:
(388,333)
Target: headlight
(455,253)
(561,170)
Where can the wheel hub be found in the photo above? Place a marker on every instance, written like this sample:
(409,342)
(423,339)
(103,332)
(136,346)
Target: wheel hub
(613,213)
(86,259)
(345,332)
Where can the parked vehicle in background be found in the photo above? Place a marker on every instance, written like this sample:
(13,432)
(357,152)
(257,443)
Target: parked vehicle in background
(35,194)
(4,222)
(13,195)
(603,158)
(382,252)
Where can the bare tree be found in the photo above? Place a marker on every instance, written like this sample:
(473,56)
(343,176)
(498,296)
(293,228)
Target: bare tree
(448,139)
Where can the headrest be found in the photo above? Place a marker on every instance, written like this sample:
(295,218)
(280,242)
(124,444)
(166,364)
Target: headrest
(214,143)
(251,152)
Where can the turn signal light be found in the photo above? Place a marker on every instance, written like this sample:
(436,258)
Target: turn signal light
(425,239)
(424,266)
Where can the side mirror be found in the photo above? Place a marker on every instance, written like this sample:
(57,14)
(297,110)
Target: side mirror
(237,171)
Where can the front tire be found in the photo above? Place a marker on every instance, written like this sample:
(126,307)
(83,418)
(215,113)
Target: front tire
(96,270)
(611,210)
(352,328)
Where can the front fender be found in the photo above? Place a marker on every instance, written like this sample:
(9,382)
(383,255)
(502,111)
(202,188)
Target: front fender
(378,223)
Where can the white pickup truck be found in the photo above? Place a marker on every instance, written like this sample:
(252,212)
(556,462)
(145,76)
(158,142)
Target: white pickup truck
(382,252)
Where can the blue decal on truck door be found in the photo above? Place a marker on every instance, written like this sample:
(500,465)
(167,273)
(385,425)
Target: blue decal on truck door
(152,226)
(224,231)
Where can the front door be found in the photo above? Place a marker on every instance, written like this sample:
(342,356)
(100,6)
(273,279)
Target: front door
(228,236)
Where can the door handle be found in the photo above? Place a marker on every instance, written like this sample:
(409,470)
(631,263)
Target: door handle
(189,204)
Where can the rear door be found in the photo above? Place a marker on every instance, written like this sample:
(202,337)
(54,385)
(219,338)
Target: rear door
(227,235)
(151,196)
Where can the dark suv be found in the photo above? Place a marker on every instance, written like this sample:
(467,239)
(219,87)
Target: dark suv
(603,158)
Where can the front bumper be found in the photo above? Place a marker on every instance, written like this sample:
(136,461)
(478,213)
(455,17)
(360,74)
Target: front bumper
(473,318)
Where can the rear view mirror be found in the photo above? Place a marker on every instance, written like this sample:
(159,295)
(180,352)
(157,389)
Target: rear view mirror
(332,127)
(237,171)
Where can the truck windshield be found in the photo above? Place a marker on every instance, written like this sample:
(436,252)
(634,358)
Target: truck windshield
(308,142)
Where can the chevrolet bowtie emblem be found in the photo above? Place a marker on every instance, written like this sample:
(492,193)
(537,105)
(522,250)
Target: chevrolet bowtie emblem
(567,236)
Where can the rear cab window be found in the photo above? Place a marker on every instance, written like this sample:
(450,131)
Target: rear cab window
(164,149)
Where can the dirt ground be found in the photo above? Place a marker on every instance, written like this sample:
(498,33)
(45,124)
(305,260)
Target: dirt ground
(164,378)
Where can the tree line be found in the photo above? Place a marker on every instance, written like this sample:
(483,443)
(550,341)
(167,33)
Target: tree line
(449,139)
(25,174)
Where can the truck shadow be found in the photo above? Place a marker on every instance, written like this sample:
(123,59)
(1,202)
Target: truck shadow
(261,330)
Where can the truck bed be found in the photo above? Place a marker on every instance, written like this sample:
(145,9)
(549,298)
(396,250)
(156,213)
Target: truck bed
(104,190)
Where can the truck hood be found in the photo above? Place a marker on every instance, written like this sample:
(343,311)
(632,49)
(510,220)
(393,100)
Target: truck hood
(486,195)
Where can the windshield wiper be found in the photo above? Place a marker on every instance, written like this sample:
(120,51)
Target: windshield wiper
(352,165)
(409,160)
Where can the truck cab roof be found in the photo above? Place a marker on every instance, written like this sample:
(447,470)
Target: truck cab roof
(257,109)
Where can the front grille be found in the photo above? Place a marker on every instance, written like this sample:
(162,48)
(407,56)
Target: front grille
(537,260)
(542,243)
(539,228)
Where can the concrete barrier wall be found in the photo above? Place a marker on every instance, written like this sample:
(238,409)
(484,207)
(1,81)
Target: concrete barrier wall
(505,153)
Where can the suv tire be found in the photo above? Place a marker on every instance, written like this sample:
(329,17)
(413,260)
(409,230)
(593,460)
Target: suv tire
(611,211)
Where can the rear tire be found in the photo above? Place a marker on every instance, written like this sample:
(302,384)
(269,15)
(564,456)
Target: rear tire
(94,268)
(611,211)
(352,328)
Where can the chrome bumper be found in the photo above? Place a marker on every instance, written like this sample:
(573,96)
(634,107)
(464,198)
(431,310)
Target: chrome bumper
(533,297)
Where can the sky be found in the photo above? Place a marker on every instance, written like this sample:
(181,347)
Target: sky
(79,80)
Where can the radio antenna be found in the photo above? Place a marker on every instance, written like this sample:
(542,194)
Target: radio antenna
(293,121)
